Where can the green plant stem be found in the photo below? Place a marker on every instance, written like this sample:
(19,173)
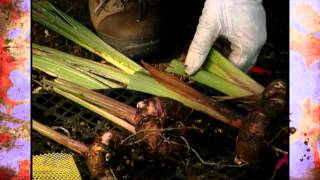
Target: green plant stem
(216,63)
(210,79)
(83,64)
(46,14)
(60,69)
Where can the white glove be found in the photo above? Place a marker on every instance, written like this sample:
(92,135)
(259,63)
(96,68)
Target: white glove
(242,22)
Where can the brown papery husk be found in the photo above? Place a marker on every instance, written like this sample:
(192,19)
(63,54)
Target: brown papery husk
(153,117)
(250,142)
(151,130)
(162,108)
(96,158)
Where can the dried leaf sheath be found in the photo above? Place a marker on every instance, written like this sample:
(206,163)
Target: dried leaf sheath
(195,100)
(178,86)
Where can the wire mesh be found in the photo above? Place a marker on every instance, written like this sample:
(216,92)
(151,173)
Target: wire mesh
(54,166)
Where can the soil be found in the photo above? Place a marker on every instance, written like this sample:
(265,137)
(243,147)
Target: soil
(216,143)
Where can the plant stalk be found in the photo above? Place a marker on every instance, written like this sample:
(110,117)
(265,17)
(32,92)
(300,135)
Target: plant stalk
(60,69)
(99,110)
(115,107)
(82,64)
(216,63)
(212,80)
(72,144)
(49,16)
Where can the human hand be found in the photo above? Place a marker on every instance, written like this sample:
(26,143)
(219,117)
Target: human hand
(242,22)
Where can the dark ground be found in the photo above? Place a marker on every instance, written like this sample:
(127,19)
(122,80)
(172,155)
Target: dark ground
(215,144)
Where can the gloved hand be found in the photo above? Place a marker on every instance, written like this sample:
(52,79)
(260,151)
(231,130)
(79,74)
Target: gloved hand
(242,22)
